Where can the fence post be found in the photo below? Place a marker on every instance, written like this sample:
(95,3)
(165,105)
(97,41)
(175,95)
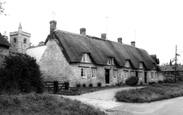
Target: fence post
(55,87)
(66,85)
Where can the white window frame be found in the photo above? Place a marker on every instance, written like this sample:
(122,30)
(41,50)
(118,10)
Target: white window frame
(84,72)
(93,72)
(110,61)
(115,73)
(152,76)
(85,58)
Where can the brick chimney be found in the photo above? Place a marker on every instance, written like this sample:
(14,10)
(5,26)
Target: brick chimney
(133,43)
(120,40)
(83,31)
(103,36)
(53,26)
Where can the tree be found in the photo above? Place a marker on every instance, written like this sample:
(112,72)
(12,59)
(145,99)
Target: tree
(20,72)
(1,8)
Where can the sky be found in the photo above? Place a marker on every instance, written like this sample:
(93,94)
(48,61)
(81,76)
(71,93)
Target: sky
(155,25)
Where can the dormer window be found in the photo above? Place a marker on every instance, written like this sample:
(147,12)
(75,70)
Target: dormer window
(127,64)
(85,58)
(110,61)
(141,66)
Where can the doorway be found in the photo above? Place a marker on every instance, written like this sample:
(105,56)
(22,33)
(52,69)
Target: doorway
(107,76)
(145,77)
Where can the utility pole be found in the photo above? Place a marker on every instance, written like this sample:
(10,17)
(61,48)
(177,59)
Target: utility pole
(175,64)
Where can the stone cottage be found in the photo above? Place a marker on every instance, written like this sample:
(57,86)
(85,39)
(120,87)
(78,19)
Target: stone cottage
(84,59)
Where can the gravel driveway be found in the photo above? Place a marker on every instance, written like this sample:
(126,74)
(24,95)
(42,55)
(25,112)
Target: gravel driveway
(105,100)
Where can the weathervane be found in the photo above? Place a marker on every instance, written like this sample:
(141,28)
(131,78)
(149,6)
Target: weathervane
(53,14)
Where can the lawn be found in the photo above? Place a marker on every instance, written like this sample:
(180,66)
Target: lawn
(43,104)
(151,93)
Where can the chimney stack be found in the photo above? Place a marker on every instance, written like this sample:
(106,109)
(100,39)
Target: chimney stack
(83,31)
(120,40)
(133,43)
(103,36)
(53,26)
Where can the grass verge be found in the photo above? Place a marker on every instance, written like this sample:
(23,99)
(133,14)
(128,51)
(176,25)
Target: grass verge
(43,104)
(151,93)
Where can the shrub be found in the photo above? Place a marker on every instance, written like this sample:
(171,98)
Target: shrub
(90,85)
(151,83)
(99,84)
(119,83)
(84,85)
(160,82)
(22,73)
(132,81)
(78,85)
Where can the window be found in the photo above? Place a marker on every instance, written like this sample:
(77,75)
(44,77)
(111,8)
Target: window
(110,61)
(141,66)
(84,72)
(151,75)
(14,40)
(94,72)
(85,58)
(127,64)
(115,72)
(25,40)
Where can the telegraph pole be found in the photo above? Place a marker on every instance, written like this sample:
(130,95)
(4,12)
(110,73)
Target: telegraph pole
(175,64)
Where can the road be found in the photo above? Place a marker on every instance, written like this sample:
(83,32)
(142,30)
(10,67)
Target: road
(105,101)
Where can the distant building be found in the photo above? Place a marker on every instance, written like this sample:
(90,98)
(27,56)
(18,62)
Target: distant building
(19,40)
(84,59)
(169,70)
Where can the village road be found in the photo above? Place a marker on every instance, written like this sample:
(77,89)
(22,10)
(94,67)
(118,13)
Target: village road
(105,100)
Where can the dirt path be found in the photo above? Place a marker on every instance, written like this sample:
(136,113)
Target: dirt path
(105,100)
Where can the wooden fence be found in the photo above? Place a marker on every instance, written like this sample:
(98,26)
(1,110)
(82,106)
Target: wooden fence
(56,86)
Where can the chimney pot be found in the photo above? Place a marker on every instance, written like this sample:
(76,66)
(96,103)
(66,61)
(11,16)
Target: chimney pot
(103,36)
(83,31)
(133,43)
(53,25)
(120,40)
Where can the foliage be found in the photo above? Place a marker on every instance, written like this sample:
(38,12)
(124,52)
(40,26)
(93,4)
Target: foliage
(119,83)
(78,85)
(132,81)
(84,85)
(99,84)
(37,104)
(90,85)
(21,73)
(151,93)
(151,83)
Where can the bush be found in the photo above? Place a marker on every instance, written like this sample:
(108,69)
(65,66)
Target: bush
(99,84)
(22,73)
(160,82)
(132,81)
(84,85)
(119,83)
(90,85)
(151,83)
(78,85)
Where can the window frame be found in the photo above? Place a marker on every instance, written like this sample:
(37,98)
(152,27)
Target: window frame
(93,72)
(110,61)
(84,72)
(15,40)
(85,58)
(25,41)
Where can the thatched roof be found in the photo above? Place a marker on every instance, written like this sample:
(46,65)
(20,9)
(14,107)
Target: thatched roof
(74,45)
(4,42)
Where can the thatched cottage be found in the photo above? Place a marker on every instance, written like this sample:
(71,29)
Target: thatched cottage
(84,59)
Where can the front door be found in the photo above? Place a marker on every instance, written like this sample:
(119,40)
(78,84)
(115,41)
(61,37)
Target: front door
(107,76)
(145,77)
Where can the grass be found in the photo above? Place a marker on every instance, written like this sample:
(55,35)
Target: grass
(151,93)
(43,104)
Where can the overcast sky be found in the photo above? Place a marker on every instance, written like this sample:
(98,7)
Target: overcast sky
(155,25)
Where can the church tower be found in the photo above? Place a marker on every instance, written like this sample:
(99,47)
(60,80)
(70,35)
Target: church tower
(19,41)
